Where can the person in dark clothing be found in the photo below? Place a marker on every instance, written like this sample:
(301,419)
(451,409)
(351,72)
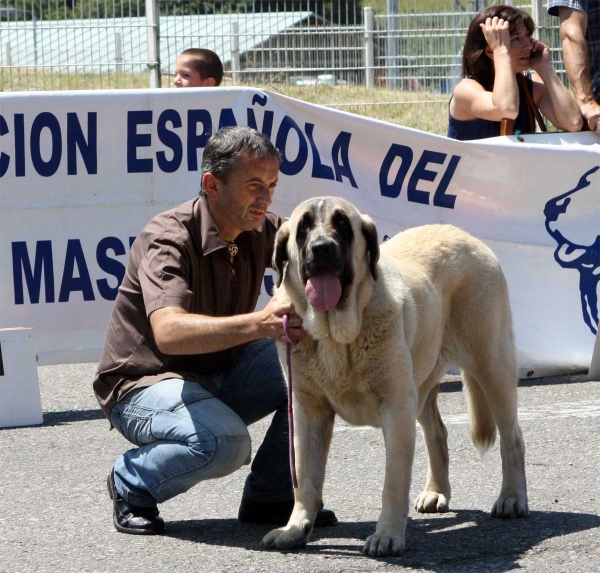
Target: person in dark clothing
(499,48)
(188,363)
(580,38)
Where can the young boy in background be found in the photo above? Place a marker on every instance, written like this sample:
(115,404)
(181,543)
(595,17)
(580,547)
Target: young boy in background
(198,68)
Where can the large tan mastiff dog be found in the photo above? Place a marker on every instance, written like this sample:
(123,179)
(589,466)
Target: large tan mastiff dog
(382,329)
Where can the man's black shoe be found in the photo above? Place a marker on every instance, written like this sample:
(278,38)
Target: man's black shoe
(279,513)
(131,519)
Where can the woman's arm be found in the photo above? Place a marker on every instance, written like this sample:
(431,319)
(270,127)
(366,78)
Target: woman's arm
(550,94)
(471,100)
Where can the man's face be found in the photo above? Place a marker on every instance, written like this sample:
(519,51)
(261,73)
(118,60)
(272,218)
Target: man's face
(240,203)
(187,76)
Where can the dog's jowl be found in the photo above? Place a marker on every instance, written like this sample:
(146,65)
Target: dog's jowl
(383,325)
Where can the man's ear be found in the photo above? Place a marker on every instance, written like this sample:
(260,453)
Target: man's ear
(369,230)
(209,184)
(280,256)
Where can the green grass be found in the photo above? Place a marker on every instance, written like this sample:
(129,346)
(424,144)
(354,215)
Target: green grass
(32,79)
(422,110)
(424,6)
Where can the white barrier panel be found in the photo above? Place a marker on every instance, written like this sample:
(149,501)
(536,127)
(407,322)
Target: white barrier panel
(20,401)
(82,172)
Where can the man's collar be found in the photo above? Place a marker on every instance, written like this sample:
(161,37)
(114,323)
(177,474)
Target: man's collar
(210,238)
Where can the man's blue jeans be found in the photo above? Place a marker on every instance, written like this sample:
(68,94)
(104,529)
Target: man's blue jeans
(186,435)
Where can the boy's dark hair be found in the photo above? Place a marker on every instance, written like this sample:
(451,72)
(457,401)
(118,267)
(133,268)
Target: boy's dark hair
(226,146)
(475,62)
(206,63)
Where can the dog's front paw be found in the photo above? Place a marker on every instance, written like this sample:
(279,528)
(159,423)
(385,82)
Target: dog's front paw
(289,537)
(383,545)
(431,502)
(510,507)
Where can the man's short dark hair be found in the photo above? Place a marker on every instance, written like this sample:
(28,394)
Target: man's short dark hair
(206,62)
(226,146)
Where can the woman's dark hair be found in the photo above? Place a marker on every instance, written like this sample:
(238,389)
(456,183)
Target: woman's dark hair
(475,62)
(226,146)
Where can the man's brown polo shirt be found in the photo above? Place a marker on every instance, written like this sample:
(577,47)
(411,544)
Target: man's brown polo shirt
(180,260)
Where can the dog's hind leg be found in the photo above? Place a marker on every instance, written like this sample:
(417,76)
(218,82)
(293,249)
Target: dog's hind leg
(436,495)
(496,380)
(482,328)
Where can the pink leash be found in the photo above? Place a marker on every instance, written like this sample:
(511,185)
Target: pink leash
(288,352)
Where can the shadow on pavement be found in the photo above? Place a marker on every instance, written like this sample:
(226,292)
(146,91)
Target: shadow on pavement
(432,543)
(74,415)
(68,416)
(553,380)
(63,417)
(455,385)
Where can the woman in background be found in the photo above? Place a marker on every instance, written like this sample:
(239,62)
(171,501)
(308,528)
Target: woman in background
(498,49)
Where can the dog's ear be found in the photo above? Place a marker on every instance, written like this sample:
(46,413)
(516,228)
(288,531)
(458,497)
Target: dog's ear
(370,233)
(280,256)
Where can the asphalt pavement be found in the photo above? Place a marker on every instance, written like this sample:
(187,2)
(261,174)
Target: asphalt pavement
(55,514)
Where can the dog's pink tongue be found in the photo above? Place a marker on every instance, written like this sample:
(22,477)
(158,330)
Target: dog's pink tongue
(323,290)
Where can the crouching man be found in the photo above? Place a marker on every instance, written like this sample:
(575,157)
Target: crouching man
(188,363)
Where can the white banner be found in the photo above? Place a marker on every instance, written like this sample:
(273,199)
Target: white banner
(81,173)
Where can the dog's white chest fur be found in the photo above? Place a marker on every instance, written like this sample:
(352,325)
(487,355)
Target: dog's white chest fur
(338,373)
(343,374)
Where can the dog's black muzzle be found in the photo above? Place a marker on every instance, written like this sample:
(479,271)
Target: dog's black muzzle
(323,252)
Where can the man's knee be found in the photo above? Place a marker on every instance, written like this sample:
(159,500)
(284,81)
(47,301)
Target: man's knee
(221,455)
(233,453)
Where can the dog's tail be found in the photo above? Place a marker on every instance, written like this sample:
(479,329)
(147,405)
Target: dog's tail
(481,421)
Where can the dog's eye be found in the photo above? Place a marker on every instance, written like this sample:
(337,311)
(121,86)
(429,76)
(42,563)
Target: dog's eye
(304,226)
(340,221)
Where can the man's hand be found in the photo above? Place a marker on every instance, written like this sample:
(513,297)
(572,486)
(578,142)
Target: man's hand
(271,320)
(591,113)
(177,331)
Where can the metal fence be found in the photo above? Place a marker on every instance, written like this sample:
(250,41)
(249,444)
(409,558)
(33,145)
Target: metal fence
(396,60)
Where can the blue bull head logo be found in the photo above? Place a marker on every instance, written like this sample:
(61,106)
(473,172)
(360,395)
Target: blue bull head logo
(576,251)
